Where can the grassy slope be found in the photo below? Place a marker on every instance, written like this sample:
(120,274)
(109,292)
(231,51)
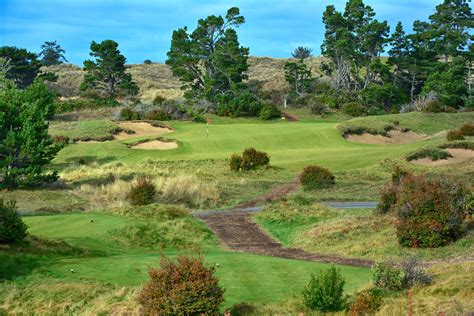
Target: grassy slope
(352,233)
(260,279)
(94,129)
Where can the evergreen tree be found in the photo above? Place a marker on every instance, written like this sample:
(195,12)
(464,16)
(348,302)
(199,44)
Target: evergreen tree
(25,146)
(23,65)
(209,61)
(302,52)
(107,73)
(298,75)
(52,54)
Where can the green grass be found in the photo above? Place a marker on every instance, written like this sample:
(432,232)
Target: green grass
(84,129)
(246,277)
(416,121)
(357,233)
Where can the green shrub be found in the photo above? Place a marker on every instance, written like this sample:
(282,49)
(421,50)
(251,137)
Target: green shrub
(434,107)
(388,199)
(324,292)
(269,111)
(432,153)
(318,108)
(12,227)
(252,158)
(142,193)
(366,302)
(158,115)
(458,144)
(413,274)
(454,135)
(129,114)
(467,129)
(60,139)
(242,309)
(94,102)
(430,212)
(387,277)
(354,109)
(185,286)
(315,177)
(242,103)
(158,100)
(398,174)
(235,162)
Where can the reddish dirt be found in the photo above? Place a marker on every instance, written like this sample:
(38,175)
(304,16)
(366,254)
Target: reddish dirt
(278,192)
(289,117)
(238,232)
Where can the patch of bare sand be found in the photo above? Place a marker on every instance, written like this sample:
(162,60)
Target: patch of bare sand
(459,155)
(156,145)
(394,137)
(141,129)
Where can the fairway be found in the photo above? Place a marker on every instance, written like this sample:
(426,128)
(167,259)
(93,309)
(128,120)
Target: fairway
(290,145)
(260,279)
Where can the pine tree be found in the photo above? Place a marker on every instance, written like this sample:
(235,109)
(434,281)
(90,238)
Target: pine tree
(52,54)
(107,73)
(23,65)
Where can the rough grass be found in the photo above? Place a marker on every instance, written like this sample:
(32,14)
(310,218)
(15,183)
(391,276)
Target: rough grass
(355,233)
(84,129)
(427,123)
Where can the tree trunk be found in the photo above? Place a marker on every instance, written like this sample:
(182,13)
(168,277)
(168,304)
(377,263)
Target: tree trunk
(412,90)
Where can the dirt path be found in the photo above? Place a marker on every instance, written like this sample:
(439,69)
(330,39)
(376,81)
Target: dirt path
(277,192)
(238,232)
(289,117)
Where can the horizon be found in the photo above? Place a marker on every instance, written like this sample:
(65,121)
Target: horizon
(271,29)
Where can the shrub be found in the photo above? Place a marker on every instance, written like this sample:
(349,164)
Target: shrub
(158,115)
(324,292)
(12,227)
(413,274)
(430,212)
(388,198)
(318,108)
(387,277)
(467,129)
(454,135)
(60,139)
(147,62)
(185,286)
(128,114)
(243,103)
(460,144)
(158,100)
(398,174)
(269,111)
(432,153)
(366,302)
(434,107)
(235,162)
(243,308)
(142,193)
(252,158)
(314,177)
(354,109)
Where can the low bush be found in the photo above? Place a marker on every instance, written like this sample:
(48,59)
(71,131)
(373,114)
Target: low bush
(430,213)
(129,114)
(434,107)
(158,115)
(147,62)
(242,103)
(185,286)
(432,153)
(60,139)
(398,174)
(235,162)
(84,103)
(242,309)
(324,292)
(458,144)
(12,227)
(467,129)
(158,100)
(366,302)
(387,277)
(269,111)
(318,108)
(413,274)
(315,177)
(455,135)
(354,109)
(388,199)
(142,193)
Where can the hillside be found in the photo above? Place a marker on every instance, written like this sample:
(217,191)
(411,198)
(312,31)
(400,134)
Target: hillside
(156,78)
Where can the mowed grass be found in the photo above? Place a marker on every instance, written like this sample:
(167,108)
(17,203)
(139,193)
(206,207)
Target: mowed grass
(290,145)
(245,277)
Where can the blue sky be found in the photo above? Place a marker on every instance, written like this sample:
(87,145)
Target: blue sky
(143,28)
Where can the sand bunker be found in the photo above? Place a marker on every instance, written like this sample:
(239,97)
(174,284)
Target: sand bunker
(156,145)
(395,137)
(141,129)
(459,155)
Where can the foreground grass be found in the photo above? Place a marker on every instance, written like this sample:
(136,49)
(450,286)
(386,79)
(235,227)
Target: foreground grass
(357,233)
(109,264)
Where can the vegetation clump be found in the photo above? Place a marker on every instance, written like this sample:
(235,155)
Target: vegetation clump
(250,159)
(324,292)
(467,129)
(142,193)
(12,227)
(366,302)
(430,213)
(455,135)
(385,276)
(185,286)
(432,153)
(316,177)
(129,114)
